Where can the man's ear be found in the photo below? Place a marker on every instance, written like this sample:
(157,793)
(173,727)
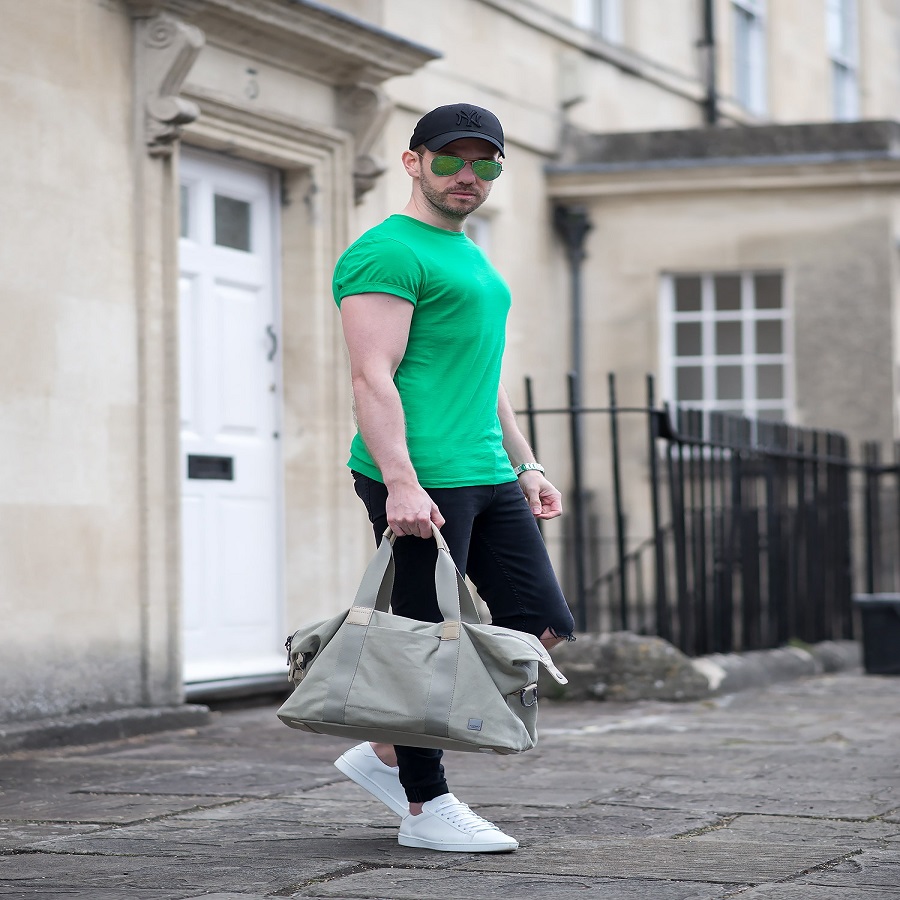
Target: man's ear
(412,162)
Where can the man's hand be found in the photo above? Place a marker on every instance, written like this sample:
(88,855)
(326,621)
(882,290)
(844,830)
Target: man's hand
(410,510)
(544,499)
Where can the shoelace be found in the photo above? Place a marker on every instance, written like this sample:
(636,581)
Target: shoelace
(461,816)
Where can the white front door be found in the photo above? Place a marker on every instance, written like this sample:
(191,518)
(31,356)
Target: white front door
(230,407)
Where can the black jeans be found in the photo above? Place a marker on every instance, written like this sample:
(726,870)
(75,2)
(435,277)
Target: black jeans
(494,539)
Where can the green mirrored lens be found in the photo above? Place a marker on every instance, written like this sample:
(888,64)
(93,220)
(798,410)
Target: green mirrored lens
(486,169)
(447,165)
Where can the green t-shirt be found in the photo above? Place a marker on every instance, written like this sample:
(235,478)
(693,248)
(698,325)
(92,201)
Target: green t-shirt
(450,374)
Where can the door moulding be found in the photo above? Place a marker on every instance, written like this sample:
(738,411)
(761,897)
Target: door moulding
(165,51)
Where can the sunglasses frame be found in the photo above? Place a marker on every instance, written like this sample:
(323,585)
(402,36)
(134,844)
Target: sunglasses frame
(491,163)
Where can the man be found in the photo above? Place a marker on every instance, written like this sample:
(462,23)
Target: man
(424,317)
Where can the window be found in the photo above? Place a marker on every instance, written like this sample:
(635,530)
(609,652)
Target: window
(842,52)
(478,228)
(725,343)
(184,211)
(232,223)
(601,16)
(750,54)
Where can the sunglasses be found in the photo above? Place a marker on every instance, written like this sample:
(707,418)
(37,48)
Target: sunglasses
(485,169)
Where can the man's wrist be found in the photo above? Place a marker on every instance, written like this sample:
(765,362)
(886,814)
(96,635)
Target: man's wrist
(528,467)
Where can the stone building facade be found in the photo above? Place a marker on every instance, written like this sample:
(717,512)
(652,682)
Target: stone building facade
(183,174)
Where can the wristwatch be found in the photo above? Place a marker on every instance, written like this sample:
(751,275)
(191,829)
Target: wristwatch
(528,467)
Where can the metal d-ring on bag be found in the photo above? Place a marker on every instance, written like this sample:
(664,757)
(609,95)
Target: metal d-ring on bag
(368,674)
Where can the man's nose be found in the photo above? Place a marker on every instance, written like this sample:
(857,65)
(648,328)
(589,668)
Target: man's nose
(466,174)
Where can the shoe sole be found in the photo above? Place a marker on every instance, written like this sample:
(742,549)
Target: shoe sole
(375,790)
(422,844)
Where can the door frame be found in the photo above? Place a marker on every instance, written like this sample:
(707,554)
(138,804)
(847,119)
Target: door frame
(314,210)
(242,684)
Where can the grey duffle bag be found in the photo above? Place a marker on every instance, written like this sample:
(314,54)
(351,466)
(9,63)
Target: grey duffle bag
(368,674)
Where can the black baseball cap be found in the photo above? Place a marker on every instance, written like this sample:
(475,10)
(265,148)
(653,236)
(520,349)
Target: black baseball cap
(439,127)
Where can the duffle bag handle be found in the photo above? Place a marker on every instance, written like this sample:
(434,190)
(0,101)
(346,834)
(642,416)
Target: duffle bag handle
(454,600)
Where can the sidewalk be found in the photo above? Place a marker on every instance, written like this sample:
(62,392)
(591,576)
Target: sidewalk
(787,792)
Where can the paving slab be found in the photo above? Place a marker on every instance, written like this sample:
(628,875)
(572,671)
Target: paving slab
(867,875)
(660,858)
(598,819)
(173,877)
(398,884)
(800,830)
(775,797)
(81,807)
(790,792)
(20,835)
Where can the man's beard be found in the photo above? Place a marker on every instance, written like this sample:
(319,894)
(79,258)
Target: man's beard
(445,205)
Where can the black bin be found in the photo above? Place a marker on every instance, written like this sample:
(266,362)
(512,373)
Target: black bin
(881,632)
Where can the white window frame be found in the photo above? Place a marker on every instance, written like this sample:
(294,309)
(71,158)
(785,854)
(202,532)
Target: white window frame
(842,27)
(603,17)
(750,55)
(708,316)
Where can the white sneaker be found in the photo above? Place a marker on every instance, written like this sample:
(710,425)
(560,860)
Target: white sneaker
(362,764)
(447,824)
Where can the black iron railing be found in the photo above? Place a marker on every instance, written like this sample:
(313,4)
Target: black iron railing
(746,530)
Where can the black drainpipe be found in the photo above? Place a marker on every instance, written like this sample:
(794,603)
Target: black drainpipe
(572,225)
(708,49)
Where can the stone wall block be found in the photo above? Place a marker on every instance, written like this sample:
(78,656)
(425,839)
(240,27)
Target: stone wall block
(623,666)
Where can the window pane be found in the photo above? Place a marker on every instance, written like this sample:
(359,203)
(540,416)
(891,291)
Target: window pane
(728,292)
(768,291)
(743,76)
(768,336)
(728,338)
(184,211)
(589,14)
(688,339)
(845,101)
(771,415)
(232,223)
(834,22)
(687,294)
(769,382)
(689,383)
(841,27)
(728,383)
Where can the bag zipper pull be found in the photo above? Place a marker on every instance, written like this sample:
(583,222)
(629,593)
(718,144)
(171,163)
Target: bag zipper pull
(550,666)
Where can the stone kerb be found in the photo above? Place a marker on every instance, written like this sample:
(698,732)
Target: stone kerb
(623,666)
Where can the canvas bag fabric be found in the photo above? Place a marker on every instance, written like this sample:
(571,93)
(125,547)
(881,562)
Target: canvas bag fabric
(367,674)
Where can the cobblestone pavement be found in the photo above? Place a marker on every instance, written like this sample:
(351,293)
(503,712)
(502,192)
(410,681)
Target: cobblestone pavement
(790,792)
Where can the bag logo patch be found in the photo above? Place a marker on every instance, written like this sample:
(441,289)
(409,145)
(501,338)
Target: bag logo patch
(475,724)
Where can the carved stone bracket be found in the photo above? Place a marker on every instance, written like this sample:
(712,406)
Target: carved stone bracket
(165,51)
(363,110)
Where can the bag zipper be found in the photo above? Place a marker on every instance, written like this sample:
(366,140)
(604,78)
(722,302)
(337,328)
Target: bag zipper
(545,658)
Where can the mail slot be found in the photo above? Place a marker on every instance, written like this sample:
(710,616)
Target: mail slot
(211,468)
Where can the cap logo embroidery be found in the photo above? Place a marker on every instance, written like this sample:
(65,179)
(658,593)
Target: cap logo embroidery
(471,119)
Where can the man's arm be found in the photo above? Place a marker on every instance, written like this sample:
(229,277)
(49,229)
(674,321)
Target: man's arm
(543,498)
(376,329)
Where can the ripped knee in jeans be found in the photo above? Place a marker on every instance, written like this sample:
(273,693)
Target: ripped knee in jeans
(569,636)
(550,637)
